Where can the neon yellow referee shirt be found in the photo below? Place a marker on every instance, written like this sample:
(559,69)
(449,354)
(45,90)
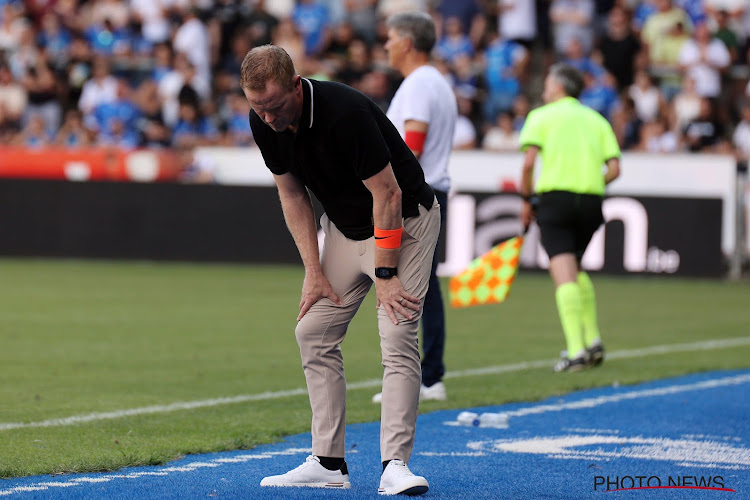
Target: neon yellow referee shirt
(574,141)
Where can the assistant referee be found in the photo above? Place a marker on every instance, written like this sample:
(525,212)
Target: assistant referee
(575,142)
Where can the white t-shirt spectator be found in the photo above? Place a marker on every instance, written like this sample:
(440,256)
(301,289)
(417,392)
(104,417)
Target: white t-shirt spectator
(741,139)
(582,28)
(465,134)
(517,20)
(155,27)
(426,96)
(96,92)
(192,39)
(706,74)
(646,102)
(497,140)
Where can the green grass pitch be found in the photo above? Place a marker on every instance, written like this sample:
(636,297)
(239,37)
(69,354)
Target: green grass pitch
(83,337)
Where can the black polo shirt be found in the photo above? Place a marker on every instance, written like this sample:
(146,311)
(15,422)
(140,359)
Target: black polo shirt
(343,138)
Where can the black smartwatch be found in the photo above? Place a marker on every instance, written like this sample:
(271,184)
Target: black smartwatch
(385,273)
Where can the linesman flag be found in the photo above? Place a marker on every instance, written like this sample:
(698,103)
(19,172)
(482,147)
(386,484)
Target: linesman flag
(488,278)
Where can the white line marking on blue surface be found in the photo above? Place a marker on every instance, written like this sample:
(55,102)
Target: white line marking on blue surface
(365,384)
(191,467)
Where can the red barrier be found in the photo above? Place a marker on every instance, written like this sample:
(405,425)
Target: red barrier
(90,164)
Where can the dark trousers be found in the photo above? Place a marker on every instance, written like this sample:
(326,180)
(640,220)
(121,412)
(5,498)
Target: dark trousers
(433,315)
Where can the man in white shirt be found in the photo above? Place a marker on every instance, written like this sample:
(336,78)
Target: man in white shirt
(424,112)
(703,58)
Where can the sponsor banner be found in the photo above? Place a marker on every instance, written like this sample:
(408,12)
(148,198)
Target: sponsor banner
(90,164)
(641,234)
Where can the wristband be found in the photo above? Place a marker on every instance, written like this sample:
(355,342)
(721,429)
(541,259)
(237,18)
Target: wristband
(388,238)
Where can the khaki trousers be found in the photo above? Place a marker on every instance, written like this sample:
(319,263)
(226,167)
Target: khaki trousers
(350,267)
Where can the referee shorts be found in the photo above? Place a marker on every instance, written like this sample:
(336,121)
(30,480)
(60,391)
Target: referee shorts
(567,221)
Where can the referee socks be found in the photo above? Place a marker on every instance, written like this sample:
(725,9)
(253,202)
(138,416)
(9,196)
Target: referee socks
(570,308)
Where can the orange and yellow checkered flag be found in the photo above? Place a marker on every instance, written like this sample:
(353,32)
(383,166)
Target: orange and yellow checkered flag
(488,278)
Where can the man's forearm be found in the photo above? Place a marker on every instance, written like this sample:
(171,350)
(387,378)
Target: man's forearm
(386,214)
(300,219)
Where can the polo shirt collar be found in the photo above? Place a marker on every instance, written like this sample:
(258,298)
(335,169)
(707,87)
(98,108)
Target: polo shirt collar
(308,103)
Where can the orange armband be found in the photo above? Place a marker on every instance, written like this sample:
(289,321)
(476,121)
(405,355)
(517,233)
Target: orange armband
(388,238)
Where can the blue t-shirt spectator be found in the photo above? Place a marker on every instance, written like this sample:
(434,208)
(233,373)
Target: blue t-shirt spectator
(107,40)
(56,44)
(312,21)
(238,127)
(600,97)
(201,128)
(448,48)
(122,110)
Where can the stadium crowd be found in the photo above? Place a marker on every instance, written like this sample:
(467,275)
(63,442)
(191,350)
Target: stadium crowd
(670,75)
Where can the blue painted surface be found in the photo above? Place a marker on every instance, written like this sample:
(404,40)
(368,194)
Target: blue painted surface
(687,429)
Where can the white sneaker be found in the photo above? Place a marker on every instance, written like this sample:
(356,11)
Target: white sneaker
(398,479)
(435,392)
(312,475)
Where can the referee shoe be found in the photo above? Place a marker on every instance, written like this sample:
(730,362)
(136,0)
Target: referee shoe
(311,474)
(595,355)
(567,364)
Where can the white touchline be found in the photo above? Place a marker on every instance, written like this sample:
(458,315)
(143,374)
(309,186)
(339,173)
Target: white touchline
(365,384)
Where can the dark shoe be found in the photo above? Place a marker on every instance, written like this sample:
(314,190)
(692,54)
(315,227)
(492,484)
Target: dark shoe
(595,355)
(570,365)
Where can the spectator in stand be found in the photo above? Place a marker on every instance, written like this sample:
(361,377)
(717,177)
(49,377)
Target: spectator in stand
(576,57)
(196,167)
(107,39)
(163,61)
(657,137)
(517,21)
(573,19)
(703,59)
(101,88)
(463,76)
(356,65)
(238,131)
(151,14)
(13,102)
(619,47)
(193,129)
(34,135)
(26,55)
(741,136)
(504,63)
(361,16)
(627,125)
(191,39)
(726,34)
(119,135)
(502,136)
(663,35)
(465,133)
(521,108)
(649,101)
(469,13)
(184,75)
(289,38)
(116,121)
(72,133)
(705,133)
(102,11)
(260,24)
(454,42)
(313,21)
(78,71)
(12,24)
(41,84)
(154,132)
(55,39)
(600,94)
(686,106)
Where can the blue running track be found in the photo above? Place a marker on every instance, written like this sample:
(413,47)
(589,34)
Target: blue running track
(683,438)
